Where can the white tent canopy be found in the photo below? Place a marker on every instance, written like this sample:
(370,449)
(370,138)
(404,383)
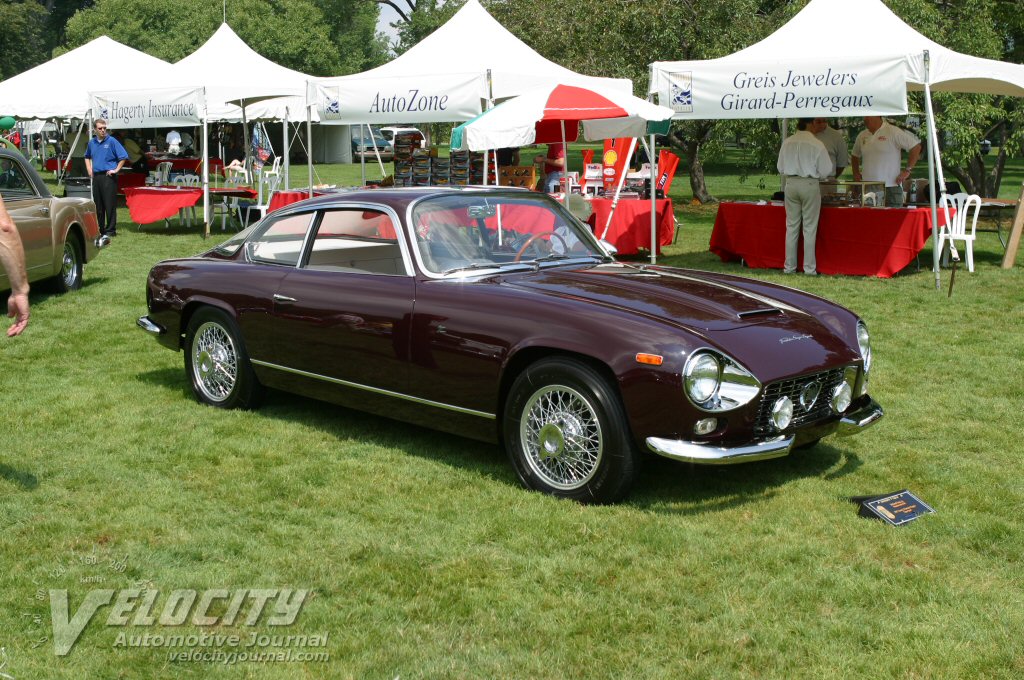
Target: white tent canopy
(444,77)
(60,87)
(803,70)
(832,81)
(231,71)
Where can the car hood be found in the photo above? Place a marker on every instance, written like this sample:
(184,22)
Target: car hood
(677,297)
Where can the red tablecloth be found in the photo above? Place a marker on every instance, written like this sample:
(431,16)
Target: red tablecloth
(282,198)
(630,229)
(858,241)
(152,204)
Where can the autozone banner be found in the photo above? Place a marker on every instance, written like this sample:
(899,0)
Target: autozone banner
(149,108)
(419,99)
(727,88)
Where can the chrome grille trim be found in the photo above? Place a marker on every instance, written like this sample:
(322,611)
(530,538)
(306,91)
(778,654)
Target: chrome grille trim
(791,388)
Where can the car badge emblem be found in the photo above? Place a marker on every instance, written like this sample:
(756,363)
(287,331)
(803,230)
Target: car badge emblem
(809,395)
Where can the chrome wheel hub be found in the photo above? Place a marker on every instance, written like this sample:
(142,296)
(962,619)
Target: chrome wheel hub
(561,437)
(69,266)
(214,362)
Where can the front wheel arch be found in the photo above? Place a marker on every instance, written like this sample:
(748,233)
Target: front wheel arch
(565,430)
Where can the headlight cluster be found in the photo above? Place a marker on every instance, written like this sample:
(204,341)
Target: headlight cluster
(864,343)
(714,382)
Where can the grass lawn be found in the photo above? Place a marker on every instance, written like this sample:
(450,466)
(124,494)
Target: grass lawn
(427,560)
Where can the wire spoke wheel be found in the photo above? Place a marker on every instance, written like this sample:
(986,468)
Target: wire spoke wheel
(214,362)
(561,437)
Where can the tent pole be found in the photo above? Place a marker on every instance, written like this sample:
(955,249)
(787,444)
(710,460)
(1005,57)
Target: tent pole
(362,153)
(934,172)
(309,143)
(206,178)
(565,168)
(618,188)
(287,154)
(652,157)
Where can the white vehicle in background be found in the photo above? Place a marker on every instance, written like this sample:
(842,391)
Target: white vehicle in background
(392,133)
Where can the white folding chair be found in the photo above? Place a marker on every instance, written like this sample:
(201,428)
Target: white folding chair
(163,173)
(186,216)
(955,228)
(266,187)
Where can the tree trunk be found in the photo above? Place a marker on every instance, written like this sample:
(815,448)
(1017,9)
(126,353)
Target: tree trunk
(696,171)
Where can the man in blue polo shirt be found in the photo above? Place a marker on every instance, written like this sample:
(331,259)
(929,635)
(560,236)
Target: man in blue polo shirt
(104,157)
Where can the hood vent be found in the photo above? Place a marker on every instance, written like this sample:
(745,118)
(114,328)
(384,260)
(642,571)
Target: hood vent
(759,312)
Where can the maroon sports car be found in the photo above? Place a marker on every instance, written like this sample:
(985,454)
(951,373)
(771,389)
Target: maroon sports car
(495,314)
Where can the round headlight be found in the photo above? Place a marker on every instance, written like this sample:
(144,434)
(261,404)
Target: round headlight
(841,397)
(864,342)
(782,413)
(702,375)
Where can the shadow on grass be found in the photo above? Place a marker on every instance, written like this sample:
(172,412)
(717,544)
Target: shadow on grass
(712,488)
(170,378)
(347,424)
(663,485)
(26,480)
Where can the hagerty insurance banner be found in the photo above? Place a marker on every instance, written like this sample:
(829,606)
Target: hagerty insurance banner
(726,88)
(149,108)
(419,99)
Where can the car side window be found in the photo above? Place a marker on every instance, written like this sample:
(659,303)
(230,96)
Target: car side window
(13,182)
(356,240)
(281,241)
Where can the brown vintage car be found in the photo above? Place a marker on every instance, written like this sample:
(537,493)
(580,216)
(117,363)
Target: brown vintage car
(60,235)
(495,314)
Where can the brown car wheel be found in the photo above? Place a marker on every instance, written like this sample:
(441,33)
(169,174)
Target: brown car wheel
(217,364)
(566,432)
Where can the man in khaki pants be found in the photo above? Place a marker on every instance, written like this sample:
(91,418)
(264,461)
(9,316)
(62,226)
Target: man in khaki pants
(803,160)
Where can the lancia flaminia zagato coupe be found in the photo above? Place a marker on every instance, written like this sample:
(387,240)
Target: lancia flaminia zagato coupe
(495,314)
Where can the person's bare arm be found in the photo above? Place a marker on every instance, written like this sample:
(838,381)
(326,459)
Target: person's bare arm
(12,258)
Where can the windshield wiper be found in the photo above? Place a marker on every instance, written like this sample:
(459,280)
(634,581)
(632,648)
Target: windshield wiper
(551,257)
(486,265)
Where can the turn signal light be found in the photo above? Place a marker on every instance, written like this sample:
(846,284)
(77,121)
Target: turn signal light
(650,359)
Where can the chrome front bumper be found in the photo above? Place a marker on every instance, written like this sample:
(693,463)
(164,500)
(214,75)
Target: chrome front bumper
(146,324)
(773,447)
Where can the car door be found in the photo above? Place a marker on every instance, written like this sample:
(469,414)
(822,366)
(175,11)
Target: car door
(342,315)
(31,214)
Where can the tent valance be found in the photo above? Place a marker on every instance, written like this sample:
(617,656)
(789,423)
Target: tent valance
(781,87)
(166,107)
(427,99)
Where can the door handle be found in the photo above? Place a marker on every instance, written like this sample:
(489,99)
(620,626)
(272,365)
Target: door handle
(45,210)
(283,299)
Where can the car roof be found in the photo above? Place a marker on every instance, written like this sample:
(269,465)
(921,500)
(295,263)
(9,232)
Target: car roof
(394,196)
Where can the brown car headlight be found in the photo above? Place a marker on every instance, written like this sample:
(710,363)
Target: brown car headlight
(864,344)
(715,382)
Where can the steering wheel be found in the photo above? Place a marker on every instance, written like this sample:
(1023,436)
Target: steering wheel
(530,241)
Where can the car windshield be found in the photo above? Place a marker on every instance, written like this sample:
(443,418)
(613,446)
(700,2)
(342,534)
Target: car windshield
(470,232)
(364,138)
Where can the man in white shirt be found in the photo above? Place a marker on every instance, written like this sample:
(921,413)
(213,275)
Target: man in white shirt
(803,160)
(835,144)
(881,147)
(173,142)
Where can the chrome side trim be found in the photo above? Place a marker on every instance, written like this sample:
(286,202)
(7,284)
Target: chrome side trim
(376,390)
(704,454)
(146,324)
(861,419)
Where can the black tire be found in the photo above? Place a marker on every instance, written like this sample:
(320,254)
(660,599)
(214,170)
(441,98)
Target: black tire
(69,277)
(217,364)
(566,432)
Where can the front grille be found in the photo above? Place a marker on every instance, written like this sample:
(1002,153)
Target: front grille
(792,388)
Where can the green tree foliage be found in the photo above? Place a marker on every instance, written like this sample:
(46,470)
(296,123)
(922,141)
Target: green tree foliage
(293,33)
(22,30)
